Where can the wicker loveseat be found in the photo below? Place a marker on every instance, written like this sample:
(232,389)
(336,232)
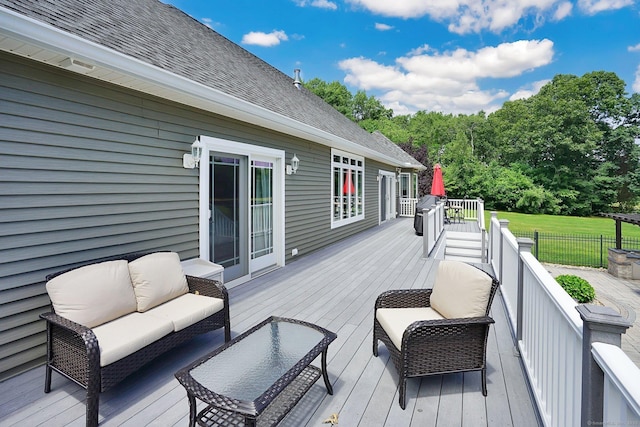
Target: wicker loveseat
(440,330)
(111,317)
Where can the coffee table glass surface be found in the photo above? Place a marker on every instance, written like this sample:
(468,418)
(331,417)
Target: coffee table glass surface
(247,374)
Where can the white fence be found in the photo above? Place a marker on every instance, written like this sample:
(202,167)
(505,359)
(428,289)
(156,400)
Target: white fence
(407,207)
(550,333)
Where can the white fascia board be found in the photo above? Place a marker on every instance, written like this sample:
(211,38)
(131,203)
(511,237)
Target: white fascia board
(45,36)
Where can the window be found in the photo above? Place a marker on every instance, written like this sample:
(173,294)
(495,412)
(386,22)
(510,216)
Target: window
(347,188)
(405,185)
(415,185)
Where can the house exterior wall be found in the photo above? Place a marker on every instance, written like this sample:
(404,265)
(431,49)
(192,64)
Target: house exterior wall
(89,170)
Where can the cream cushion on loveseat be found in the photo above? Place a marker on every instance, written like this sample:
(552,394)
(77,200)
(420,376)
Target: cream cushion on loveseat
(396,320)
(460,290)
(129,334)
(94,294)
(187,310)
(157,278)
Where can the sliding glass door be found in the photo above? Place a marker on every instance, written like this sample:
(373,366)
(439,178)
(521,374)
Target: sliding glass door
(243,215)
(228,214)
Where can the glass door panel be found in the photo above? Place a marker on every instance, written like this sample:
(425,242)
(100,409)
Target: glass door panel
(228,217)
(262,253)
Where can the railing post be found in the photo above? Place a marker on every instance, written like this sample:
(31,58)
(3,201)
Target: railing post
(600,324)
(425,232)
(504,223)
(435,222)
(483,245)
(524,245)
(494,214)
(480,213)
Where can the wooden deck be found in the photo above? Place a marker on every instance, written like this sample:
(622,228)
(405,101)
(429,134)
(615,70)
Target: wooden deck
(335,288)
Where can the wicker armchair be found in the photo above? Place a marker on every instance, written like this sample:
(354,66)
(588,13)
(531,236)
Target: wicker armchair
(440,330)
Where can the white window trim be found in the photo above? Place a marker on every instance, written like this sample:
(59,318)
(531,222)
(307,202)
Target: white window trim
(342,222)
(405,177)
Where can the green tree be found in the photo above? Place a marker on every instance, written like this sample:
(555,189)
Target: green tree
(335,94)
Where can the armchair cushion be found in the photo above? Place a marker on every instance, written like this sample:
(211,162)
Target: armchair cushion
(94,294)
(460,290)
(396,320)
(157,278)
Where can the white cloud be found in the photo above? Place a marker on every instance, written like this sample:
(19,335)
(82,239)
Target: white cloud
(635,48)
(529,90)
(594,6)
(409,8)
(636,83)
(420,50)
(263,39)
(468,16)
(429,80)
(383,27)
(210,23)
(322,4)
(563,10)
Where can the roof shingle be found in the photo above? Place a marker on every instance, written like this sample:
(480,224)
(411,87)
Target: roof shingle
(163,36)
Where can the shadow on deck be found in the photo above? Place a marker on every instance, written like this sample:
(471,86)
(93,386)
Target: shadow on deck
(335,288)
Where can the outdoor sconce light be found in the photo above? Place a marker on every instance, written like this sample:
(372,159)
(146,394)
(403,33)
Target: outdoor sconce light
(190,161)
(293,167)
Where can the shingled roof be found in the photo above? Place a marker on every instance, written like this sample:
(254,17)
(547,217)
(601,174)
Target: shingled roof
(162,36)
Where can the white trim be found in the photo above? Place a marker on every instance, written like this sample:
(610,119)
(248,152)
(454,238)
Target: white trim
(392,197)
(160,82)
(342,222)
(211,144)
(406,175)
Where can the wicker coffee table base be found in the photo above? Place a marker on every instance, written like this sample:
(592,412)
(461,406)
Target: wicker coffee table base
(273,414)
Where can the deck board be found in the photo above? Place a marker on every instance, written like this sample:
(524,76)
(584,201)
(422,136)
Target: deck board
(334,287)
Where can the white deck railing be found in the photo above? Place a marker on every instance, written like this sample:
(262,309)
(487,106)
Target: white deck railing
(432,227)
(550,340)
(407,207)
(472,209)
(621,386)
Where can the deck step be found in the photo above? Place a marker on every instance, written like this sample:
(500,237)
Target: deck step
(463,246)
(472,260)
(463,252)
(466,244)
(460,235)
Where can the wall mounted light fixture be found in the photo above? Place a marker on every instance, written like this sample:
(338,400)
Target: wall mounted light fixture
(190,161)
(293,167)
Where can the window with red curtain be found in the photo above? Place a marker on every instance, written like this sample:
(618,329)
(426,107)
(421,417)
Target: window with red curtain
(347,192)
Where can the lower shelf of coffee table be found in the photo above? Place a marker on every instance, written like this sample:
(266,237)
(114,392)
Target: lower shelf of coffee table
(274,413)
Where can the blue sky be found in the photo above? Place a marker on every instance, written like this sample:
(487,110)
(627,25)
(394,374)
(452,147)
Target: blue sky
(453,56)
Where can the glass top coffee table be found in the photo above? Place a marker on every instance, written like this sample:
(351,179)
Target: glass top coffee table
(256,378)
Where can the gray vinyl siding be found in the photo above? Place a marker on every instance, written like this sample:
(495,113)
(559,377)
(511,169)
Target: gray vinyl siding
(89,170)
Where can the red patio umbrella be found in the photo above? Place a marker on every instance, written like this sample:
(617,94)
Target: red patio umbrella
(348,187)
(437,186)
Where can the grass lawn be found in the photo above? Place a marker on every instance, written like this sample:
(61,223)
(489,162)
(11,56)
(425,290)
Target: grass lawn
(571,240)
(555,224)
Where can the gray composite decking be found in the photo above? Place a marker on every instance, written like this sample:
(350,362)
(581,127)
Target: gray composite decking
(335,288)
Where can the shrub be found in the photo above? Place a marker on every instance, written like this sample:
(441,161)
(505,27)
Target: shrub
(578,288)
